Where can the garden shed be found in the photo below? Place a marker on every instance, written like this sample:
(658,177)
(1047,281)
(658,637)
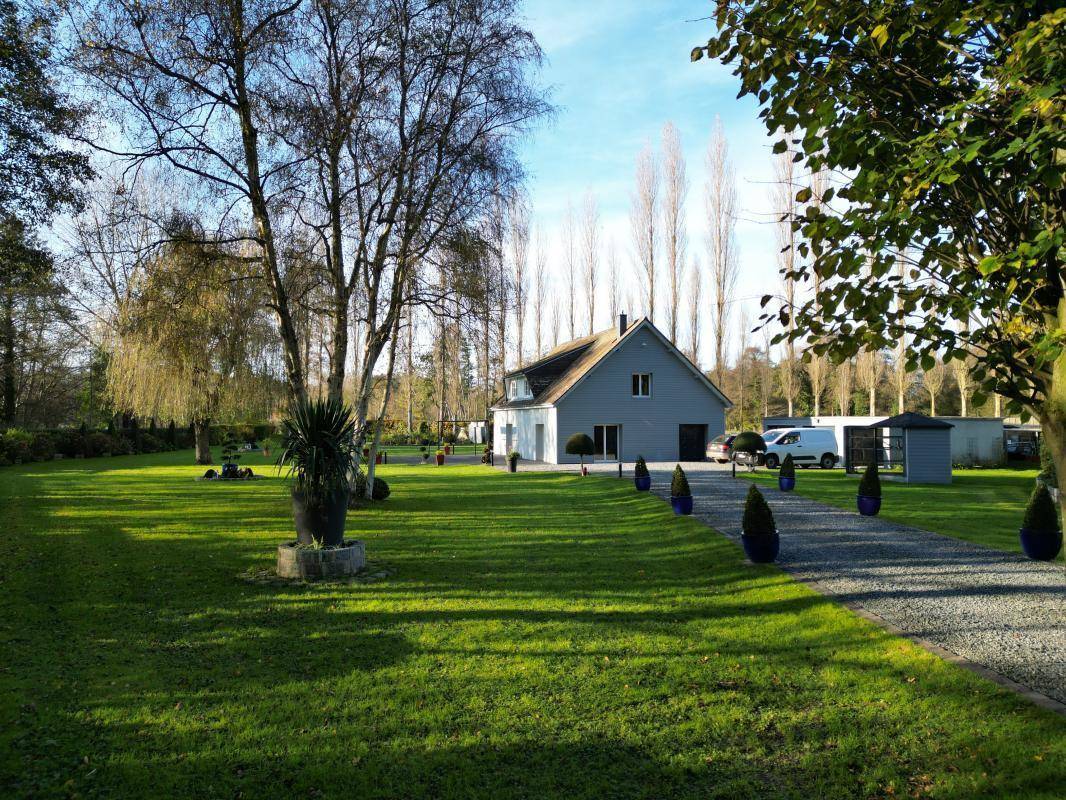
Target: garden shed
(920,445)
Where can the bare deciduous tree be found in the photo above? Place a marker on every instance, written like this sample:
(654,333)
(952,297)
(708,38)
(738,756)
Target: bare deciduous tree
(570,258)
(614,289)
(540,262)
(720,199)
(901,373)
(590,246)
(843,382)
(933,382)
(519,241)
(786,209)
(644,212)
(675,189)
(695,305)
(869,365)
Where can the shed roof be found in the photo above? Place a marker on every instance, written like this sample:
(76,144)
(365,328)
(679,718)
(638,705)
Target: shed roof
(911,419)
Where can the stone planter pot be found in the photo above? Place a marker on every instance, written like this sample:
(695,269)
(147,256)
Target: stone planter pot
(682,505)
(440,461)
(761,548)
(326,562)
(325,525)
(1040,545)
(786,484)
(868,506)
(643,484)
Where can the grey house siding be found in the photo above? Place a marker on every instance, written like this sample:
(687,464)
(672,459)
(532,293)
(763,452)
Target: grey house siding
(928,455)
(648,425)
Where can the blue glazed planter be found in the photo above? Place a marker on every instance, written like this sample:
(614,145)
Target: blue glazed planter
(786,484)
(1040,545)
(761,548)
(682,505)
(868,506)
(642,484)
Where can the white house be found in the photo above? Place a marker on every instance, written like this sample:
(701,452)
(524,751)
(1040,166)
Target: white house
(628,388)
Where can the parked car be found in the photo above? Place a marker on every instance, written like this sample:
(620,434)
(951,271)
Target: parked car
(718,448)
(807,446)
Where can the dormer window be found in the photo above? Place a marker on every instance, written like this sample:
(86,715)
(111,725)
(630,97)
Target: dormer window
(517,389)
(642,384)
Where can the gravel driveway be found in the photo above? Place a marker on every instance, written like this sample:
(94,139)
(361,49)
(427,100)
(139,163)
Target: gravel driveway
(997,609)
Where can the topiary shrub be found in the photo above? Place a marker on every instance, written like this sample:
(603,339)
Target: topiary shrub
(640,469)
(748,442)
(380,491)
(1041,513)
(679,483)
(758,519)
(580,444)
(870,485)
(788,467)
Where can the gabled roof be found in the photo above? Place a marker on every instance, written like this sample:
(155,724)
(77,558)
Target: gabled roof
(553,376)
(911,419)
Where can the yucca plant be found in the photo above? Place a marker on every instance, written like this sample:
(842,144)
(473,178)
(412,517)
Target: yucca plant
(318,447)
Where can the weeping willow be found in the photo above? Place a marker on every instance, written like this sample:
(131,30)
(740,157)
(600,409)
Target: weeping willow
(190,343)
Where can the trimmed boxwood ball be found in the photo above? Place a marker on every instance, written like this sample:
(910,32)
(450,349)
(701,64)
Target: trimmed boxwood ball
(758,519)
(580,444)
(748,442)
(640,469)
(870,484)
(788,467)
(679,483)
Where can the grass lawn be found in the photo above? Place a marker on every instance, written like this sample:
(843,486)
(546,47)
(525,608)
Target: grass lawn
(541,635)
(980,505)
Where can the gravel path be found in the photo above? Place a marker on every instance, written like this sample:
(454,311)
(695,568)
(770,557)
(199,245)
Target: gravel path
(999,610)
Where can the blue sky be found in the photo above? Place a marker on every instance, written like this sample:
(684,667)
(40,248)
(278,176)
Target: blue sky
(618,71)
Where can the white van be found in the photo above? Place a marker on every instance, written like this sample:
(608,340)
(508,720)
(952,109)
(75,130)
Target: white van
(808,446)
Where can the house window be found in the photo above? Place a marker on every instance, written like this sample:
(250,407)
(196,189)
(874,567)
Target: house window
(642,384)
(516,388)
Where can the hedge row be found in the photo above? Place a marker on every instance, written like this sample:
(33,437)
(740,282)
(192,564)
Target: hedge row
(20,447)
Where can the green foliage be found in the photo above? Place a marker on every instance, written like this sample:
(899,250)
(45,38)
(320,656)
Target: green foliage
(1041,514)
(946,119)
(580,444)
(788,467)
(748,442)
(317,446)
(679,483)
(514,455)
(640,469)
(870,483)
(38,175)
(758,519)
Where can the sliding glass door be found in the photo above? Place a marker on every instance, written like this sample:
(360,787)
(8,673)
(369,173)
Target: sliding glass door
(606,441)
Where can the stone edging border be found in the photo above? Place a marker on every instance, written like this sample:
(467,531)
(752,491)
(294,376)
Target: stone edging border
(1033,696)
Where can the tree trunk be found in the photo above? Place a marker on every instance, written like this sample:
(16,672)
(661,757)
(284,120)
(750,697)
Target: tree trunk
(873,401)
(7,360)
(202,436)
(376,440)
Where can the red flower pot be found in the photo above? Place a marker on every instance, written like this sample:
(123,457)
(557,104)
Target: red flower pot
(447,449)
(440,461)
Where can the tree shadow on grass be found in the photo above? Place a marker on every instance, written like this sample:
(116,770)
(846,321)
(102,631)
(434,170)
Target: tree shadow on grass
(545,637)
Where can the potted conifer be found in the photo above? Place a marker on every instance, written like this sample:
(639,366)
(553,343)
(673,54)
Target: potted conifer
(680,493)
(748,448)
(760,538)
(641,476)
(1041,534)
(786,476)
(581,444)
(869,497)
